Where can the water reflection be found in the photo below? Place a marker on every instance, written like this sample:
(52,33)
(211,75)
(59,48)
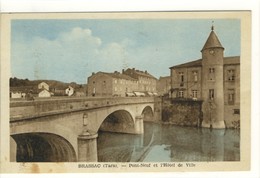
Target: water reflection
(169,143)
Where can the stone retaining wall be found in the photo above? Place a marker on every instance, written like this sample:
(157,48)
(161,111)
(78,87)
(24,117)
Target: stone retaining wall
(182,112)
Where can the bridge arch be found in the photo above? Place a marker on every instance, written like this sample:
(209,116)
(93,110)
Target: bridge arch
(148,114)
(118,121)
(43,147)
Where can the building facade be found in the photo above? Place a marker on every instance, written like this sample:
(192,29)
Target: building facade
(215,80)
(164,85)
(69,91)
(43,85)
(110,84)
(17,92)
(146,82)
(43,93)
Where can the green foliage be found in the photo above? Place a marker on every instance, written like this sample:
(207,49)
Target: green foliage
(15,82)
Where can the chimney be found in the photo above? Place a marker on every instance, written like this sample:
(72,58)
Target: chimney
(93,73)
(145,71)
(133,69)
(123,71)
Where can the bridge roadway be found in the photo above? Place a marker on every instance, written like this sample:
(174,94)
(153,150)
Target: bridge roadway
(66,129)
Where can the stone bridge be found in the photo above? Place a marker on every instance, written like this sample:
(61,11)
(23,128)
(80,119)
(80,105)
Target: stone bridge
(65,129)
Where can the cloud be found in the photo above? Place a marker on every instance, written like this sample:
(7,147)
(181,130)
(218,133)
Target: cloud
(71,56)
(79,35)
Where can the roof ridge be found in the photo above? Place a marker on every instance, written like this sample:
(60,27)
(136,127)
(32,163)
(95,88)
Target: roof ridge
(118,75)
(197,63)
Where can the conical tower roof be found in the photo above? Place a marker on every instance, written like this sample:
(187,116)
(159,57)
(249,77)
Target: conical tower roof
(212,41)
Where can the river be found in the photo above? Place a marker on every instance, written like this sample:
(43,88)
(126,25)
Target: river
(170,143)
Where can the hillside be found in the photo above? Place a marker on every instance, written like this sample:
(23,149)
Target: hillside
(15,82)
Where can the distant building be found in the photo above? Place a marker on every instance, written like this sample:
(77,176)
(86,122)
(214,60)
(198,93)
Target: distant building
(80,91)
(215,80)
(21,92)
(69,91)
(43,85)
(58,91)
(18,92)
(42,93)
(36,90)
(146,82)
(164,85)
(111,84)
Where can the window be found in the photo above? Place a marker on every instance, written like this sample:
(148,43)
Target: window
(211,94)
(181,76)
(236,111)
(115,81)
(181,95)
(231,96)
(211,70)
(115,88)
(231,75)
(195,76)
(194,93)
(211,73)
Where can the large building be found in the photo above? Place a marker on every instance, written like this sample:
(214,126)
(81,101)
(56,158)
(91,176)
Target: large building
(215,80)
(111,84)
(122,84)
(146,82)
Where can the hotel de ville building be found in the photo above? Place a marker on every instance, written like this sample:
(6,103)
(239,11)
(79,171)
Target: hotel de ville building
(214,80)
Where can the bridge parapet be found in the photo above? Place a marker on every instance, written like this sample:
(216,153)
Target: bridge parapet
(29,109)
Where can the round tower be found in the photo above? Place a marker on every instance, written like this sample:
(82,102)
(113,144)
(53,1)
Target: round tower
(212,82)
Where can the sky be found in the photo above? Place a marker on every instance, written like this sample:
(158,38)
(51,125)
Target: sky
(70,50)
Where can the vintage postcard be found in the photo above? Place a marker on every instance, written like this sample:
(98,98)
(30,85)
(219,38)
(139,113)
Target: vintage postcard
(125,92)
